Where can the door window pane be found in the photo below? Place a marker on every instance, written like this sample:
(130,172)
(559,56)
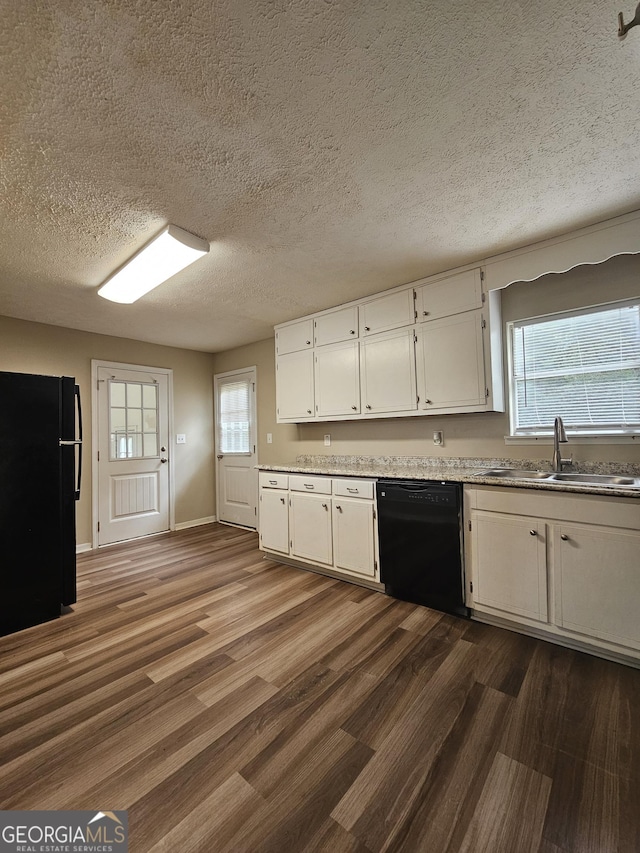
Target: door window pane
(133,430)
(235,417)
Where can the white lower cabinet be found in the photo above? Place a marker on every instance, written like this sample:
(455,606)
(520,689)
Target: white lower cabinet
(310,520)
(560,565)
(354,536)
(322,521)
(598,582)
(510,564)
(274,520)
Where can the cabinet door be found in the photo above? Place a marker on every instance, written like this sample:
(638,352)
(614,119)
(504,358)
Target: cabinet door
(341,325)
(387,312)
(294,336)
(388,372)
(310,526)
(294,386)
(450,363)
(353,536)
(509,564)
(597,571)
(337,379)
(452,295)
(274,520)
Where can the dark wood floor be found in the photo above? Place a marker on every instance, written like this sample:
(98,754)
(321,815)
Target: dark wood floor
(233,704)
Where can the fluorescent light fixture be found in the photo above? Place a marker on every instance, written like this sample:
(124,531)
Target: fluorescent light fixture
(168,253)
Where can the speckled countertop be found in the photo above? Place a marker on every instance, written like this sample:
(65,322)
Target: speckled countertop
(460,470)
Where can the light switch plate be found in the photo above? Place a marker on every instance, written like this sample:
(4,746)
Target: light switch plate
(181,438)
(269,438)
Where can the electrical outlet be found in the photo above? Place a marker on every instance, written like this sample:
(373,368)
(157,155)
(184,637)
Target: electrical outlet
(327,441)
(269,438)
(181,438)
(438,438)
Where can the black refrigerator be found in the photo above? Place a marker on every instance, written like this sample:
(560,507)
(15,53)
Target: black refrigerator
(40,468)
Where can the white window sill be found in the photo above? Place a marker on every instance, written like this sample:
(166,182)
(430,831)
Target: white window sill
(610,438)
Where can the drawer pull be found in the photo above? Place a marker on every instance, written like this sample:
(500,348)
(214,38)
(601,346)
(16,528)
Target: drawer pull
(309,486)
(349,489)
(564,537)
(273,482)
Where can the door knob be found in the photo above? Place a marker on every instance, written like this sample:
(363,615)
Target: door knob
(163,459)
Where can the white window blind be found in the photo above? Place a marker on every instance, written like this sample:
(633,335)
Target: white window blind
(235,417)
(584,367)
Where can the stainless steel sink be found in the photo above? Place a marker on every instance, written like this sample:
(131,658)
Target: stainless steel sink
(610,480)
(596,479)
(514,474)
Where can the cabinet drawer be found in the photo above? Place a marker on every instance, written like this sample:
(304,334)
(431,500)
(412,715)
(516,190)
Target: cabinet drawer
(353,488)
(319,485)
(268,480)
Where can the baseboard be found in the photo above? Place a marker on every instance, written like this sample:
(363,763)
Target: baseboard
(83,547)
(195,522)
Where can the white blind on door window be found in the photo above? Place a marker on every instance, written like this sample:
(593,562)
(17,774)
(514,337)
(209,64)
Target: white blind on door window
(585,368)
(234,417)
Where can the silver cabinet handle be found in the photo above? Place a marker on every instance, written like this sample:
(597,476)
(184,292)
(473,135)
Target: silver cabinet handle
(533,532)
(367,328)
(273,482)
(339,508)
(308,411)
(354,408)
(308,342)
(352,331)
(425,313)
(325,506)
(354,491)
(282,500)
(163,459)
(367,407)
(309,486)
(220,455)
(564,537)
(428,402)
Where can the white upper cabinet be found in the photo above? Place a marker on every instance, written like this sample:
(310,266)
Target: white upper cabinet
(294,386)
(337,379)
(387,312)
(336,326)
(450,363)
(388,372)
(452,295)
(294,336)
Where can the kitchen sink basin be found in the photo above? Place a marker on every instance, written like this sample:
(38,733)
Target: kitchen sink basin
(515,474)
(610,480)
(596,479)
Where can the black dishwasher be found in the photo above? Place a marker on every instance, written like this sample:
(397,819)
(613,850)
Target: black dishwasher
(420,539)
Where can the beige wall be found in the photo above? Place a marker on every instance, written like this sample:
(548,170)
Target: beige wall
(36,348)
(480,435)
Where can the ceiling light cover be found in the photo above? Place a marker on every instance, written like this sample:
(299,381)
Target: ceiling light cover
(168,253)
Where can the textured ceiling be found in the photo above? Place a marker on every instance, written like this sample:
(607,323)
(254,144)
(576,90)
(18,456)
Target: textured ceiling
(326,149)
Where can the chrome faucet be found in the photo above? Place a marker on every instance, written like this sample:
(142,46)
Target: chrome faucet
(559,437)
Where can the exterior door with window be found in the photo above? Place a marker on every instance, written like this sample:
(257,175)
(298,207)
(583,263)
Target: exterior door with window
(133,461)
(236,475)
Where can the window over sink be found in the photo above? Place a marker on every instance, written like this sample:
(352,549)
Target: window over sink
(583,366)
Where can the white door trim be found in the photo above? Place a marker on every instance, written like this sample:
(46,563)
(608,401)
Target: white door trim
(216,378)
(117,365)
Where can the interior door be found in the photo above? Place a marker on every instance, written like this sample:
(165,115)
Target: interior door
(133,459)
(236,458)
